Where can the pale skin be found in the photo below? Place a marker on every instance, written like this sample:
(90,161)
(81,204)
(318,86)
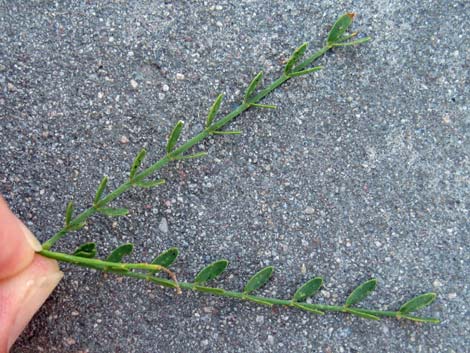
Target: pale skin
(26,279)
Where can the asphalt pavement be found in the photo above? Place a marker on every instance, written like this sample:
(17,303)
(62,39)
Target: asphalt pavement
(362,171)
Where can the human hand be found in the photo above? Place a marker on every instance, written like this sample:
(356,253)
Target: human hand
(26,279)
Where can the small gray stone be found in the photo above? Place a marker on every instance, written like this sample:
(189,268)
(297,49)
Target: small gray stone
(309,210)
(134,84)
(163,226)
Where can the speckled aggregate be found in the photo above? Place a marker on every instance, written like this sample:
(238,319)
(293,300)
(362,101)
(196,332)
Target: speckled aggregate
(362,171)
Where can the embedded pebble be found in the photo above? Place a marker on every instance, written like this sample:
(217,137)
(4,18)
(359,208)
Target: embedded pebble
(163,226)
(309,210)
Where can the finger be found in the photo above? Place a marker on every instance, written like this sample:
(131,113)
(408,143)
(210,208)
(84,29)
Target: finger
(17,243)
(22,295)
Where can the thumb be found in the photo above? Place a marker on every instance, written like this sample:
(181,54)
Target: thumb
(18,244)
(26,278)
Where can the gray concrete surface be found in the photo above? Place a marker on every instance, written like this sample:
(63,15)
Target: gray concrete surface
(362,172)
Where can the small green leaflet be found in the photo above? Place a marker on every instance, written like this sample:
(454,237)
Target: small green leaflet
(259,301)
(361,292)
(259,279)
(363,314)
(417,303)
(174,136)
(74,227)
(267,106)
(146,184)
(340,26)
(213,110)
(118,253)
(211,271)
(305,72)
(229,132)
(252,86)
(422,319)
(166,258)
(113,212)
(137,162)
(308,289)
(355,42)
(87,250)
(346,37)
(100,190)
(298,53)
(217,291)
(308,308)
(68,213)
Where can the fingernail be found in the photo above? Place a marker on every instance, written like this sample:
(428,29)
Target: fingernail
(32,240)
(35,295)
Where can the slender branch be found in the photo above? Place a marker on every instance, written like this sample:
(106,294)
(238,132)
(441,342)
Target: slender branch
(84,256)
(82,217)
(126,269)
(106,266)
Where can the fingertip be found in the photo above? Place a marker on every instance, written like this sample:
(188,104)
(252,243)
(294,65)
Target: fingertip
(17,244)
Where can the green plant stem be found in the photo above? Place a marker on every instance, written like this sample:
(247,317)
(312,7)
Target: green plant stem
(147,271)
(126,269)
(83,216)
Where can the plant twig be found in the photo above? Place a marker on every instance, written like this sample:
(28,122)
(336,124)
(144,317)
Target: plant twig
(260,278)
(85,255)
